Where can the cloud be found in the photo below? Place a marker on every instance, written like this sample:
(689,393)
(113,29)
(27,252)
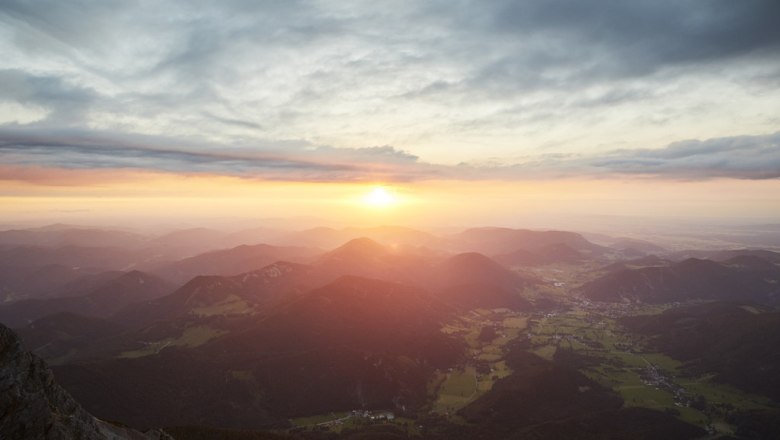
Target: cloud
(741,157)
(447,80)
(515,46)
(294,161)
(66,103)
(738,157)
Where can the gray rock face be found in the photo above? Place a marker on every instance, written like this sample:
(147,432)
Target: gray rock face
(34,407)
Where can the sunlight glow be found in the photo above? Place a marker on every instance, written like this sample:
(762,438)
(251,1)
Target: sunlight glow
(379,197)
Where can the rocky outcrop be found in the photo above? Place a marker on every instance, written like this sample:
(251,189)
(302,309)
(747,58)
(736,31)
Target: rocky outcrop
(33,406)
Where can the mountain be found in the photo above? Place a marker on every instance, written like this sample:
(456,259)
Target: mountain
(472,280)
(85,283)
(637,263)
(234,261)
(353,343)
(686,280)
(61,236)
(499,241)
(643,246)
(544,399)
(482,296)
(549,254)
(360,313)
(103,301)
(365,257)
(48,281)
(755,265)
(221,295)
(739,344)
(356,251)
(395,236)
(475,268)
(36,408)
(69,256)
(723,255)
(189,242)
(61,336)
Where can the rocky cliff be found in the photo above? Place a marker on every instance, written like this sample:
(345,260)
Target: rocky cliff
(33,406)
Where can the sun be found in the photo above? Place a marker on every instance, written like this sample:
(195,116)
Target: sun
(379,197)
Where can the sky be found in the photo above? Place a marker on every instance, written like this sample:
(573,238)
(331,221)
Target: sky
(490,112)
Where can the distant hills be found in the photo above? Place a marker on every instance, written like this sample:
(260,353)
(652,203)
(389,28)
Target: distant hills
(352,343)
(222,295)
(738,343)
(232,261)
(102,301)
(689,279)
(199,327)
(499,241)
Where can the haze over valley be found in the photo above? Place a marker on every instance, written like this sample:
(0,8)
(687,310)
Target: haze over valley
(429,220)
(397,331)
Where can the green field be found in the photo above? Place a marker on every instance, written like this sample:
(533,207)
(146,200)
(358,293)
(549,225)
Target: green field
(458,389)
(317,419)
(232,305)
(190,337)
(599,336)
(452,390)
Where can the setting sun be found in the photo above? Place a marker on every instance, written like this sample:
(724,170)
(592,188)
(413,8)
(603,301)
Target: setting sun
(379,197)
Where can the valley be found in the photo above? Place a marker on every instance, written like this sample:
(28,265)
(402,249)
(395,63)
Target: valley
(374,339)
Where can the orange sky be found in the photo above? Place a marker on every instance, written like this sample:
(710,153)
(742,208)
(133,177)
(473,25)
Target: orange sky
(120,196)
(504,113)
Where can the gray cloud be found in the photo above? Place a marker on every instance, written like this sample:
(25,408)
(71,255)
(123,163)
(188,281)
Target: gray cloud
(66,103)
(295,161)
(256,74)
(741,157)
(738,157)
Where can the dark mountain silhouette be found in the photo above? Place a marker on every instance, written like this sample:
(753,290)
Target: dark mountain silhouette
(221,295)
(739,344)
(485,296)
(543,399)
(103,301)
(61,336)
(36,408)
(757,266)
(354,343)
(175,388)
(689,279)
(359,313)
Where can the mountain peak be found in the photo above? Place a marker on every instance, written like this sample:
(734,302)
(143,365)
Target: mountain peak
(38,408)
(362,247)
(470,259)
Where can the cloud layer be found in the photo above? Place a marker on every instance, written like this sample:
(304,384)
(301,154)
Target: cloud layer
(304,89)
(742,157)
